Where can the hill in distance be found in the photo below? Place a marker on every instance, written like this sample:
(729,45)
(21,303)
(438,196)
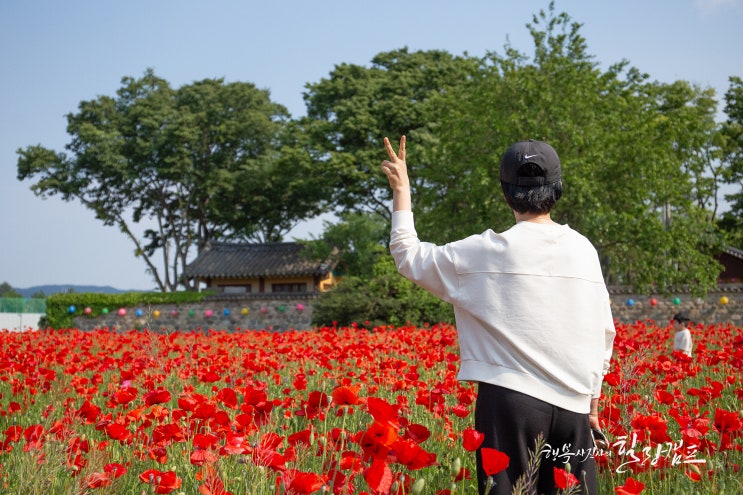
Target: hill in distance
(48,290)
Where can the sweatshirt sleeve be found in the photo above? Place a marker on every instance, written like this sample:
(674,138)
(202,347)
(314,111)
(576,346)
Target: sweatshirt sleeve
(429,266)
(609,334)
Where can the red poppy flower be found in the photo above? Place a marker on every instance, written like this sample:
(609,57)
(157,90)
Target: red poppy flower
(417,433)
(163,481)
(118,432)
(563,479)
(89,412)
(97,480)
(412,455)
(493,461)
(125,395)
(158,396)
(114,470)
(472,439)
(378,476)
(382,411)
(630,487)
(346,396)
(305,483)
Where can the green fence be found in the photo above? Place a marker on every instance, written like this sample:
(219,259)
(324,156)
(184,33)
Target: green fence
(21,305)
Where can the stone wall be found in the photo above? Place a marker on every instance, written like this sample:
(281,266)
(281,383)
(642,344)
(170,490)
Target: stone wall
(720,306)
(276,312)
(273,312)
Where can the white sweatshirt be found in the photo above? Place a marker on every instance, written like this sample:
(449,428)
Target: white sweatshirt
(531,307)
(682,341)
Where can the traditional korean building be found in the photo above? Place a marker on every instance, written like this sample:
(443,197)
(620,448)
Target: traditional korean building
(267,269)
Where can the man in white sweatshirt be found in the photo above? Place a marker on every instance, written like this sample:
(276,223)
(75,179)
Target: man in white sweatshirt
(533,317)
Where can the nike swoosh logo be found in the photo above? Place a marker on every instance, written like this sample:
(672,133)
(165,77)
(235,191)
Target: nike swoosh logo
(526,157)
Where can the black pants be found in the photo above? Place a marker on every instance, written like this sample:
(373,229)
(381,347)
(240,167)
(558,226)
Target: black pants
(511,422)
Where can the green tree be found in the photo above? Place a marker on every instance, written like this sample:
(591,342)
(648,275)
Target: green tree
(359,238)
(387,298)
(732,132)
(628,147)
(6,290)
(210,160)
(355,107)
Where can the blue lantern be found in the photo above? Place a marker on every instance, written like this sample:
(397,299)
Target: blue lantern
(630,302)
(71,309)
(138,312)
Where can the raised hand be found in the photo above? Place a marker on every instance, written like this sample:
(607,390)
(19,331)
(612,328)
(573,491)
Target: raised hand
(395,168)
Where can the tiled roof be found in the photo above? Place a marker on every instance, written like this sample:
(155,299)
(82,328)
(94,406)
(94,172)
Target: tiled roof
(245,260)
(734,252)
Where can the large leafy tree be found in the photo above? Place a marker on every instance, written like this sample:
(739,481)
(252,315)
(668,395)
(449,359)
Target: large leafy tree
(629,150)
(209,160)
(355,107)
(732,132)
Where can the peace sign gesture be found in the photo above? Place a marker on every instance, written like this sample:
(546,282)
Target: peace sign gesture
(395,168)
(396,171)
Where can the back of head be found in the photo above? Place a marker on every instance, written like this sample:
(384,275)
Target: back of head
(681,317)
(531,177)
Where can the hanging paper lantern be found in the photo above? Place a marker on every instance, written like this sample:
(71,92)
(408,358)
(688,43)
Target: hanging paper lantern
(71,309)
(104,311)
(244,311)
(173,314)
(208,313)
(156,313)
(226,311)
(122,311)
(630,302)
(676,301)
(653,301)
(264,311)
(191,312)
(282,308)
(138,312)
(88,310)
(300,307)
(724,300)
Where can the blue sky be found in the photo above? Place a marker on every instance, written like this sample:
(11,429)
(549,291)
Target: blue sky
(55,54)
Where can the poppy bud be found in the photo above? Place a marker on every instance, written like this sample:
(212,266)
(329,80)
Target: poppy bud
(417,487)
(456,467)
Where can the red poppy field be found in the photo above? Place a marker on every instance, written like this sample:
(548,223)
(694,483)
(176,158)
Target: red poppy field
(336,410)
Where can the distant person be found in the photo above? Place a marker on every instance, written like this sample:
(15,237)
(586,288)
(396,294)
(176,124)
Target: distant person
(533,317)
(682,341)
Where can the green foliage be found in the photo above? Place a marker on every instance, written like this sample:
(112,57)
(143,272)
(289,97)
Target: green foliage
(6,290)
(387,298)
(355,107)
(358,236)
(207,161)
(630,149)
(732,132)
(58,305)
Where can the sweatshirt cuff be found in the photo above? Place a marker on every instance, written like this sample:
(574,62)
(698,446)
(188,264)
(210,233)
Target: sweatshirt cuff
(402,218)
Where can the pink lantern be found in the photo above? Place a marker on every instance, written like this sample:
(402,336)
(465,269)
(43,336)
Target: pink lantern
(300,307)
(122,311)
(208,313)
(88,310)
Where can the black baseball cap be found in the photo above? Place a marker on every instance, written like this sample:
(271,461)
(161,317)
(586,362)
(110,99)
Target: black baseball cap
(531,151)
